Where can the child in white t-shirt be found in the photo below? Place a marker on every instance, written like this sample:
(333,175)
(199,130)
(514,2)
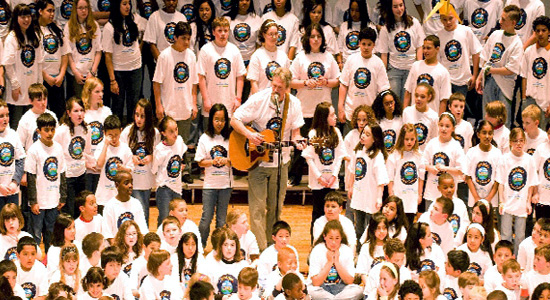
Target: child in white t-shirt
(504,250)
(247,284)
(440,227)
(540,272)
(463,129)
(333,207)
(388,111)
(287,25)
(534,136)
(159,283)
(541,156)
(237,220)
(93,284)
(92,245)
(89,220)
(116,282)
(478,249)
(11,223)
(171,232)
(12,167)
(178,209)
(31,274)
(293,287)
(372,251)
(457,264)
(421,115)
(495,113)
(422,253)
(511,275)
(161,25)
(151,242)
(286,263)
(540,237)
(8,270)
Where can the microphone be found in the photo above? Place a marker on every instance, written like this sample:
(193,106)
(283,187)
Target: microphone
(275,98)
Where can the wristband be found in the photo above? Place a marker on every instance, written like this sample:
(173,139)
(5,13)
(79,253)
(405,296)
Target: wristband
(93,73)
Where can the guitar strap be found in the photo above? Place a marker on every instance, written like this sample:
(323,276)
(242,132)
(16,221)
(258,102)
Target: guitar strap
(285,113)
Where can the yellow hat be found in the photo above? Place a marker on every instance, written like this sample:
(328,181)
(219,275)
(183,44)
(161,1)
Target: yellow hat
(445,8)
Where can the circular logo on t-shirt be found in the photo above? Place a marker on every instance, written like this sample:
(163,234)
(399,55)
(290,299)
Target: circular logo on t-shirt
(66,9)
(103,5)
(315,70)
(270,69)
(421,133)
(475,268)
(454,220)
(173,168)
(165,295)
(434,3)
(517,178)
(332,276)
(218,151)
(436,238)
(115,297)
(453,50)
(222,68)
(377,260)
(522,19)
(34,11)
(274,124)
(3,16)
(267,8)
(76,147)
(479,17)
(460,139)
(427,265)
(540,67)
(96,129)
(441,158)
(241,32)
(50,168)
(425,78)
(362,78)
(188,10)
(111,167)
(126,216)
(326,156)
(83,45)
(496,56)
(225,5)
(169,32)
(450,293)
(30,290)
(50,43)
(127,269)
(11,254)
(352,40)
(282,35)
(28,56)
(360,168)
(127,38)
(402,41)
(408,173)
(147,10)
(530,151)
(141,150)
(547,169)
(483,173)
(389,139)
(7,154)
(227,284)
(181,72)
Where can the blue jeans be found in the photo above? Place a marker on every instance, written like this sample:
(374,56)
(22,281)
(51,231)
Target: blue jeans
(362,219)
(339,291)
(42,226)
(143,196)
(492,92)
(397,79)
(213,199)
(129,84)
(506,229)
(9,199)
(164,195)
(91,182)
(75,185)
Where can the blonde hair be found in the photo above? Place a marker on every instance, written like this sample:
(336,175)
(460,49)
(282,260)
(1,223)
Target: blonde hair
(432,281)
(220,22)
(67,253)
(400,144)
(496,109)
(156,258)
(468,278)
(233,216)
(90,84)
(431,91)
(75,31)
(284,74)
(532,111)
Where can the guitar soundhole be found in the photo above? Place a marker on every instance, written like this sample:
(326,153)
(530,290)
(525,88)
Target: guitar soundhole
(260,149)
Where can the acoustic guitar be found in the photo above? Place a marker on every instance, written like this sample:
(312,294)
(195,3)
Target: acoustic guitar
(245,155)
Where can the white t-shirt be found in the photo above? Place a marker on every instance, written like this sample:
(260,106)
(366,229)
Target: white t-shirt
(530,10)
(168,288)
(84,228)
(224,276)
(459,219)
(126,55)
(76,148)
(479,260)
(456,51)
(8,246)
(492,279)
(95,119)
(542,163)
(510,294)
(142,175)
(262,65)
(502,138)
(288,29)
(424,122)
(401,44)
(177,74)
(70,280)
(347,224)
(261,113)
(11,149)
(53,50)
(532,279)
(442,235)
(249,244)
(405,171)
(33,282)
(221,66)
(535,68)
(517,175)
(433,25)
(267,263)
(364,78)
(449,154)
(391,130)
(209,148)
(526,254)
(272,280)
(160,28)
(117,212)
(330,40)
(120,289)
(318,259)
(27,63)
(115,157)
(464,132)
(503,51)
(532,144)
(244,32)
(482,168)
(348,38)
(370,173)
(188,226)
(436,75)
(167,164)
(365,261)
(26,129)
(83,50)
(311,66)
(63,10)
(482,16)
(373,278)
(47,163)
(350,142)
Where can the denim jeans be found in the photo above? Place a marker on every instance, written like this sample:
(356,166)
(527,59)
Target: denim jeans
(129,85)
(519,229)
(91,182)
(338,291)
(492,92)
(42,226)
(362,219)
(213,200)
(9,199)
(143,196)
(75,185)
(164,195)
(397,79)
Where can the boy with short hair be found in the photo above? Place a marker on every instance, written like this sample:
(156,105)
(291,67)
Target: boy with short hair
(394,252)
(482,17)
(541,270)
(410,290)
(159,33)
(463,129)
(540,236)
(457,263)
(334,203)
(178,209)
(466,282)
(511,275)
(534,136)
(46,182)
(432,72)
(221,70)
(363,77)
(26,128)
(89,220)
(12,167)
(112,156)
(437,219)
(534,82)
(497,295)
(500,60)
(151,242)
(116,281)
(504,250)
(123,207)
(496,114)
(287,262)
(542,154)
(171,230)
(32,275)
(530,10)
(459,219)
(92,245)
(247,283)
